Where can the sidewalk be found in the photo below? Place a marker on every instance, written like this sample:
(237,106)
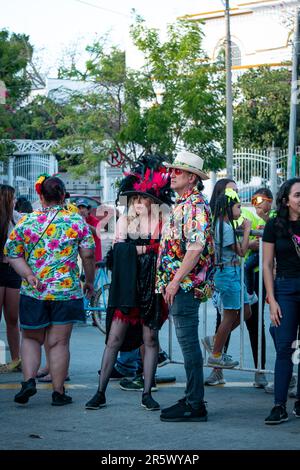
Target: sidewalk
(235,422)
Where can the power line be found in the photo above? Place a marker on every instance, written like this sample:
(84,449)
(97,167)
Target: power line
(102,8)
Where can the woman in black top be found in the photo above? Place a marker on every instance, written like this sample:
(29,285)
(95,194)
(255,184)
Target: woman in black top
(282,241)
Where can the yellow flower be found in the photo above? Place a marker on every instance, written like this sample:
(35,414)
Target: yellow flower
(19,249)
(13,235)
(71,233)
(72,208)
(39,252)
(51,230)
(67,283)
(40,179)
(63,269)
(49,297)
(44,272)
(66,251)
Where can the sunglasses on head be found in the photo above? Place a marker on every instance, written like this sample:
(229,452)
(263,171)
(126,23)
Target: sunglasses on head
(177,171)
(257,200)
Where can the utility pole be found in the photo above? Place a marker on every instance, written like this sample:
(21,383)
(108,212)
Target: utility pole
(229,122)
(291,167)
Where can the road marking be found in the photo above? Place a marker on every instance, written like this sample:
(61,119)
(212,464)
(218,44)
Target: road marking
(15,386)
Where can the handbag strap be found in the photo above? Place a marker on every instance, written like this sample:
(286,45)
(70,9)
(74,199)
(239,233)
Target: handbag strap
(29,253)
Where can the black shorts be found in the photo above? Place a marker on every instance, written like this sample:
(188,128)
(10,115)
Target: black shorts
(35,314)
(9,277)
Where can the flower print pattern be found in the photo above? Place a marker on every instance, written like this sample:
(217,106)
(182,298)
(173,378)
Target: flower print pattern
(190,223)
(52,257)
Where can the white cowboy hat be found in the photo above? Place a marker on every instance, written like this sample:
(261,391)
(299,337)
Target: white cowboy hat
(189,162)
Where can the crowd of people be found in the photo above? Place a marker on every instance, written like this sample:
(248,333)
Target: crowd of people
(172,251)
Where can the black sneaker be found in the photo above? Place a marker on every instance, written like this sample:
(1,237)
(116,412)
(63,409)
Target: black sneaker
(296,410)
(149,403)
(136,384)
(163,359)
(60,399)
(28,390)
(98,401)
(182,411)
(278,415)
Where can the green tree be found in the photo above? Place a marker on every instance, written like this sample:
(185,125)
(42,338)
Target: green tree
(262,107)
(190,108)
(15,54)
(176,99)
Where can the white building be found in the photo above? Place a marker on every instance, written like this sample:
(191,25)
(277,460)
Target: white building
(261,32)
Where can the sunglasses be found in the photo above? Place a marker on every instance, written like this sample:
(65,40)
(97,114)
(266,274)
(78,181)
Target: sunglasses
(177,171)
(257,200)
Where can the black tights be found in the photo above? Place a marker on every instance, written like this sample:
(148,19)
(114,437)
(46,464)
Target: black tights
(115,340)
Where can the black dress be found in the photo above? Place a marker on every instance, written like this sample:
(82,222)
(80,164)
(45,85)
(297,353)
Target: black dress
(132,296)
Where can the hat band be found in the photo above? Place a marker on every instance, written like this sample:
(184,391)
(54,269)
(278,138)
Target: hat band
(186,165)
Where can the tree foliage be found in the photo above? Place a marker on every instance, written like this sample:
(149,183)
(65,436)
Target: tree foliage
(262,108)
(15,54)
(174,101)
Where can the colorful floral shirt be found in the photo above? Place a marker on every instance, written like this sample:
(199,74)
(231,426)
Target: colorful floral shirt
(51,255)
(190,223)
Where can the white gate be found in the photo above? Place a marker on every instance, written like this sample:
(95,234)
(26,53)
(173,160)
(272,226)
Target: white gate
(254,168)
(29,160)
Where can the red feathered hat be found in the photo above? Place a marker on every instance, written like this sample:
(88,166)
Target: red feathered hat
(148,178)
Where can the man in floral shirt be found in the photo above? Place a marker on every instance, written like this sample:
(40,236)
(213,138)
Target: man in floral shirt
(185,259)
(43,249)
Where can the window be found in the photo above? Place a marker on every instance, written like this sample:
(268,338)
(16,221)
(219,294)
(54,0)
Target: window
(236,56)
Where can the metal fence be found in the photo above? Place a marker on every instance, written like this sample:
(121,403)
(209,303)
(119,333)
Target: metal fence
(253,168)
(242,324)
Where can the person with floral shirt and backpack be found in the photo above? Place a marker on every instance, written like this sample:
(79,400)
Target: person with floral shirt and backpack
(43,249)
(185,260)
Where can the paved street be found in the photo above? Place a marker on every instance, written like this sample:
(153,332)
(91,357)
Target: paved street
(236,410)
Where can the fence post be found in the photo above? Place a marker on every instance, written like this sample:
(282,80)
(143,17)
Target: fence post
(11,171)
(273,171)
(260,304)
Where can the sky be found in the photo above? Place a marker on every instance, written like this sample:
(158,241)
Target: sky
(54,26)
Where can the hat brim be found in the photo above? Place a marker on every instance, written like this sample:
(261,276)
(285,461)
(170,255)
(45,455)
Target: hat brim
(140,193)
(195,171)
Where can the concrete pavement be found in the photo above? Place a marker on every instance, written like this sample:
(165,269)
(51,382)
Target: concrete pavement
(236,410)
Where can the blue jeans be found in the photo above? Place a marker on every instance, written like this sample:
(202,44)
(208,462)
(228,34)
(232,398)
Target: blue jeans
(129,362)
(287,294)
(185,310)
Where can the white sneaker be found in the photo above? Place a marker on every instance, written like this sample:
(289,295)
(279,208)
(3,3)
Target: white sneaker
(223,362)
(260,380)
(215,378)
(293,393)
(292,385)
(253,299)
